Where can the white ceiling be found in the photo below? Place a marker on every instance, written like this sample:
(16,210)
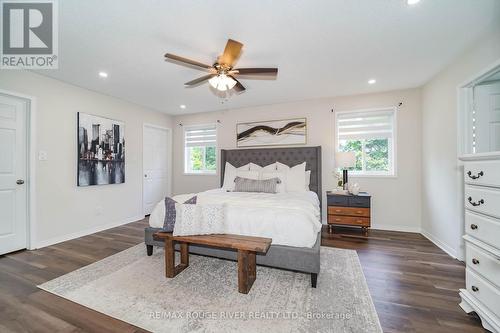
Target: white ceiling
(322,48)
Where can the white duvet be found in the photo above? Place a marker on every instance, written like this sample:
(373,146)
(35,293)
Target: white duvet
(288,218)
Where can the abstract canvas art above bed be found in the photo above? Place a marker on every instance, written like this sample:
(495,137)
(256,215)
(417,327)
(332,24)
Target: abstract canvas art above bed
(272,133)
(101,151)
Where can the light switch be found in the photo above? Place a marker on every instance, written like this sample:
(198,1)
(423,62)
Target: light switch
(42,155)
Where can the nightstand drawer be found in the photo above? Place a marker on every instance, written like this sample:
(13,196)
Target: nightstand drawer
(350,211)
(350,220)
(338,200)
(359,201)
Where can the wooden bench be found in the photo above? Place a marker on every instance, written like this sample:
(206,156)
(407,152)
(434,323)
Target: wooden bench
(246,246)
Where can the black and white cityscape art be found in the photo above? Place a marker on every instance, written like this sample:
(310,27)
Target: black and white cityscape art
(101,151)
(272,133)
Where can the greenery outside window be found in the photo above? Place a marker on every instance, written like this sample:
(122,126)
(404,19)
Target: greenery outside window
(200,149)
(371,136)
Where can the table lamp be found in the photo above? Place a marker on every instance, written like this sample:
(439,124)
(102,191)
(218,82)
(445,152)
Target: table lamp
(344,160)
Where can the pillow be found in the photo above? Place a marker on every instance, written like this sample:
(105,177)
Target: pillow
(254,185)
(295,176)
(203,219)
(268,168)
(308,179)
(281,187)
(170,212)
(230,174)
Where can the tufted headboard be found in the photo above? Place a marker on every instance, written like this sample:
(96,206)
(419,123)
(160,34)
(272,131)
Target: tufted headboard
(289,156)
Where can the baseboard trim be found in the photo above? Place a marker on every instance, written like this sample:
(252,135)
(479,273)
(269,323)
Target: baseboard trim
(86,232)
(401,228)
(443,246)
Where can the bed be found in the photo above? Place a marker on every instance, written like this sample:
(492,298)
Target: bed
(291,249)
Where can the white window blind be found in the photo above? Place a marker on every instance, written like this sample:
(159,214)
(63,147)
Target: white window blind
(365,125)
(200,136)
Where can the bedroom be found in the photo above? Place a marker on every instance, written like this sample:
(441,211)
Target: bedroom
(102,143)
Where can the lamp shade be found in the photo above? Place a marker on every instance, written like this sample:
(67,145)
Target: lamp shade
(345,159)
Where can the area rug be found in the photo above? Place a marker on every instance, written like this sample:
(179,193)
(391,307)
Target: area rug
(132,287)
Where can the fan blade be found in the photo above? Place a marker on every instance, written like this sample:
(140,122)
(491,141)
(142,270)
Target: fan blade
(199,80)
(186,61)
(238,86)
(243,71)
(231,53)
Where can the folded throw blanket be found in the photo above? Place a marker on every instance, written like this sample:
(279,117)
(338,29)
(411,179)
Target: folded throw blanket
(199,219)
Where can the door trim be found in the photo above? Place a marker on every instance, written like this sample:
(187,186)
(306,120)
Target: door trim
(169,158)
(31,164)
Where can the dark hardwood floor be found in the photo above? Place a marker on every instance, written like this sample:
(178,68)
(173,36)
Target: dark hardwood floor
(414,284)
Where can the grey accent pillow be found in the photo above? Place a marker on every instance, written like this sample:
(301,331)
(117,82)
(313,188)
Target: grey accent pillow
(170,213)
(254,185)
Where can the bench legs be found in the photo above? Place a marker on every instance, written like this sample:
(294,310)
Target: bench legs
(246,270)
(170,269)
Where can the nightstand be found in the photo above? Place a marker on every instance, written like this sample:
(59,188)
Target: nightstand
(349,210)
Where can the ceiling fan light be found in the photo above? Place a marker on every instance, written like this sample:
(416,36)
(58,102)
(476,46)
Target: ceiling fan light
(222,82)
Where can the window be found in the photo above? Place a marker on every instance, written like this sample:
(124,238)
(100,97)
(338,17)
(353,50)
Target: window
(200,146)
(371,135)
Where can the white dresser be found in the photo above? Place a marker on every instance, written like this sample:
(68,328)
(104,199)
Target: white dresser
(482,238)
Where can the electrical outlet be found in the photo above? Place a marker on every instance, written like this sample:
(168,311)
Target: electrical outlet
(42,155)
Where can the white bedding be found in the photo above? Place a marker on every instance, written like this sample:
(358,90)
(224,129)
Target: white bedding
(291,218)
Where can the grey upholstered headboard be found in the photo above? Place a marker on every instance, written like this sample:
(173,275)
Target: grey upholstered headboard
(289,156)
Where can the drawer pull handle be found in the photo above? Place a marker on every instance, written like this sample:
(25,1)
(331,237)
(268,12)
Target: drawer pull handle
(475,261)
(479,203)
(359,212)
(337,210)
(480,174)
(473,226)
(474,288)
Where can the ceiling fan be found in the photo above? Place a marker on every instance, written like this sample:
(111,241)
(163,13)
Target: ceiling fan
(222,74)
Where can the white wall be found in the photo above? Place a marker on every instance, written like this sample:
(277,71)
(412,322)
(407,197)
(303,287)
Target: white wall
(396,201)
(63,209)
(442,194)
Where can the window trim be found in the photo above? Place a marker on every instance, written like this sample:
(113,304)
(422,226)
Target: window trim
(367,174)
(204,172)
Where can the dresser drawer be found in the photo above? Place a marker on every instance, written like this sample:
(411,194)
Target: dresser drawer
(359,201)
(349,211)
(483,200)
(482,290)
(351,220)
(484,263)
(484,228)
(484,173)
(338,200)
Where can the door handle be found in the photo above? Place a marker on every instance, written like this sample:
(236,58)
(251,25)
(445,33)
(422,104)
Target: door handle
(20,182)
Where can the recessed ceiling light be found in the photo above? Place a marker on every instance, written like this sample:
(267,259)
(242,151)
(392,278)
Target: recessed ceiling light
(103,75)
(182,106)
(372,81)
(413,2)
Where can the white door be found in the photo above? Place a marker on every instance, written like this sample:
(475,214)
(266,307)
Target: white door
(13,185)
(487,117)
(156,163)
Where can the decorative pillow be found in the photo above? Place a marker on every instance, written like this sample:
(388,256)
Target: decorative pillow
(261,170)
(254,185)
(170,212)
(281,187)
(295,176)
(230,174)
(203,219)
